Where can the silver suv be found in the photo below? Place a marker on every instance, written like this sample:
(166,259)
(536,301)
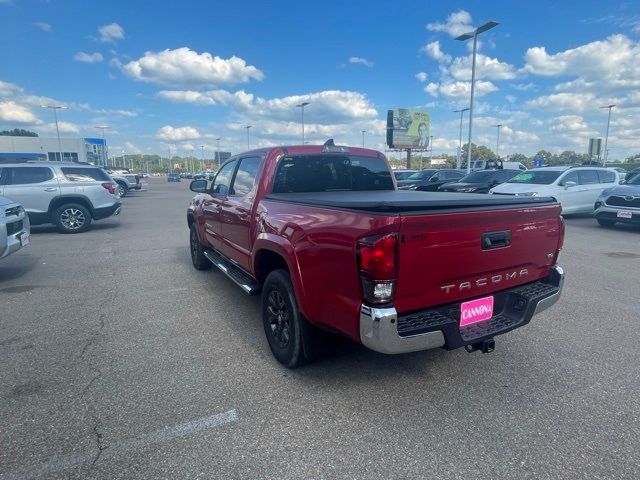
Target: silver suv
(69,195)
(14,227)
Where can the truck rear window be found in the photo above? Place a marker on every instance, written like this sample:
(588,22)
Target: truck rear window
(85,174)
(325,173)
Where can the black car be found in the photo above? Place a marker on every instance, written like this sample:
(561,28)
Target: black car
(430,179)
(403,174)
(480,181)
(173,177)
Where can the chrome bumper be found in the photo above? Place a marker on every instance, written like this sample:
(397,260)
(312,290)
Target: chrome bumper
(379,332)
(379,329)
(557,278)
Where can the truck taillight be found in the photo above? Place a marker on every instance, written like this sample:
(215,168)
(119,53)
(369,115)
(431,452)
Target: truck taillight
(109,186)
(377,261)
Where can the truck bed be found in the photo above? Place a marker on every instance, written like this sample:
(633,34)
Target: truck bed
(398,201)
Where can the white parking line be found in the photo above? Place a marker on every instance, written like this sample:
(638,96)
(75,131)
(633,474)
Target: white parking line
(124,447)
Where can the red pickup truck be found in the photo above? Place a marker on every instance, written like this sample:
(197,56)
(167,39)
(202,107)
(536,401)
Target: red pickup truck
(331,244)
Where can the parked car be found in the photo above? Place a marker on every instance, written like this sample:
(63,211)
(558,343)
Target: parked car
(14,227)
(621,172)
(125,180)
(322,234)
(173,177)
(480,181)
(430,180)
(403,174)
(576,188)
(619,204)
(66,194)
(632,173)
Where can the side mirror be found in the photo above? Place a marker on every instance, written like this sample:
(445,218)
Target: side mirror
(198,186)
(433,179)
(569,184)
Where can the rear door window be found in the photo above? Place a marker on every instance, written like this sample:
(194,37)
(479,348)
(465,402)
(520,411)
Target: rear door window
(326,173)
(606,176)
(29,175)
(79,174)
(588,177)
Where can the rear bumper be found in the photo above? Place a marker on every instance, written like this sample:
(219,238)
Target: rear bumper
(383,330)
(608,213)
(104,212)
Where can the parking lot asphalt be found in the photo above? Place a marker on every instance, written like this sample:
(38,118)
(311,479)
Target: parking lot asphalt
(119,360)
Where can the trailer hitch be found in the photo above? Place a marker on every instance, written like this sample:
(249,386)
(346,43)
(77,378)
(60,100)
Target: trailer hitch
(486,346)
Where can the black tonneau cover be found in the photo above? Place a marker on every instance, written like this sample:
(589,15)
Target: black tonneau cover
(399,201)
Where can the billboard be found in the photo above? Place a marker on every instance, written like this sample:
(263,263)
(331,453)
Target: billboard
(408,129)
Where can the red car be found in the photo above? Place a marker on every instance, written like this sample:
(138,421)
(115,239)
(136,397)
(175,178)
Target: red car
(330,243)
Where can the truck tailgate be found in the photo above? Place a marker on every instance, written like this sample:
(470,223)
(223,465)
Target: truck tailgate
(446,257)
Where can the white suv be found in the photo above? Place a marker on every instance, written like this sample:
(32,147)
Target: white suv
(69,195)
(575,188)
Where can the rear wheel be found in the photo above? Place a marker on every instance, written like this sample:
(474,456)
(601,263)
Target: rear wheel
(72,218)
(122,189)
(200,262)
(282,321)
(606,223)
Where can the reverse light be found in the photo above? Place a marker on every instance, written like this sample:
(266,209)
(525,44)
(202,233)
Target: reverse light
(109,186)
(377,261)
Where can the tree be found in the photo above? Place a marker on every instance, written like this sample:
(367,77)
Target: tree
(18,132)
(478,152)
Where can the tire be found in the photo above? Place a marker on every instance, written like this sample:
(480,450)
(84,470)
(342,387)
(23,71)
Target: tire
(282,321)
(606,223)
(72,218)
(122,189)
(200,262)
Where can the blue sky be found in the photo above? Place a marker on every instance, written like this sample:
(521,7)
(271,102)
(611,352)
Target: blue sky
(180,74)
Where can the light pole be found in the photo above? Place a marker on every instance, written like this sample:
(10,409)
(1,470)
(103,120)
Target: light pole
(104,144)
(55,109)
(461,112)
(363,132)
(498,141)
(170,166)
(247,127)
(301,106)
(464,37)
(218,152)
(606,138)
(202,156)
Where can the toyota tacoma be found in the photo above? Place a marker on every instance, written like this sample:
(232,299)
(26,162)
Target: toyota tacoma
(331,244)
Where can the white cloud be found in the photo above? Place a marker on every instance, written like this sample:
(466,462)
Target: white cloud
(239,99)
(184,67)
(11,111)
(422,76)
(456,24)
(132,148)
(524,87)
(486,67)
(605,64)
(9,89)
(45,27)
(64,127)
(434,51)
(330,106)
(177,133)
(111,32)
(454,90)
(361,61)
(574,102)
(88,57)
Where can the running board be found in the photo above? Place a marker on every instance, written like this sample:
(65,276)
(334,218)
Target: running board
(244,281)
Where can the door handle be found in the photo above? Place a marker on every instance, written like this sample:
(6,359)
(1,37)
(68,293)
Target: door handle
(50,189)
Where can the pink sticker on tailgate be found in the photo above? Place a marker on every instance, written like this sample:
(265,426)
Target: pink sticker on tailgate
(476,311)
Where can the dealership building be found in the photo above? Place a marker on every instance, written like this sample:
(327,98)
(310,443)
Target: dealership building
(91,150)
